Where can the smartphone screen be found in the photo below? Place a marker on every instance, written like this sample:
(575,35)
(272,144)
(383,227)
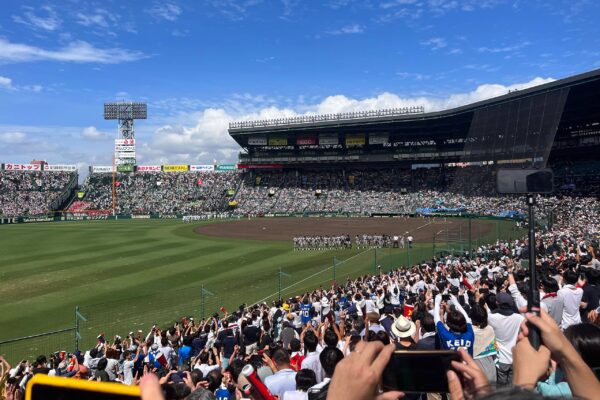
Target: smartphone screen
(484,290)
(419,371)
(446,297)
(43,387)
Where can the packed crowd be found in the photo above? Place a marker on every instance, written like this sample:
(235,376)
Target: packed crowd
(337,341)
(360,191)
(322,242)
(30,192)
(161,192)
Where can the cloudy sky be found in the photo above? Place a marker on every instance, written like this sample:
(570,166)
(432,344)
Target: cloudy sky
(200,64)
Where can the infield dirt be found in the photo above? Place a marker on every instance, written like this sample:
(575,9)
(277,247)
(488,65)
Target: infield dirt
(422,229)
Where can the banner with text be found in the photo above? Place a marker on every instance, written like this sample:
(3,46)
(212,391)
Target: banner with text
(124,142)
(355,139)
(258,140)
(306,140)
(175,168)
(226,167)
(202,168)
(279,140)
(328,138)
(102,169)
(378,138)
(148,168)
(23,167)
(58,167)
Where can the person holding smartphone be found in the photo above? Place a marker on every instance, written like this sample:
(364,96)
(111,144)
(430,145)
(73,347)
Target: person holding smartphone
(457,332)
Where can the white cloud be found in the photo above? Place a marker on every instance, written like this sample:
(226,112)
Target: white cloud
(33,88)
(99,18)
(77,51)
(166,11)
(435,43)
(5,82)
(49,22)
(12,137)
(208,136)
(347,30)
(504,49)
(92,133)
(200,134)
(412,75)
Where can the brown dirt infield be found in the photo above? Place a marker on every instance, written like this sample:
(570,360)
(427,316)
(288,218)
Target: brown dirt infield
(282,229)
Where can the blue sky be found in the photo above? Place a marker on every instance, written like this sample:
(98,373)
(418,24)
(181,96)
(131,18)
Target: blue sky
(200,64)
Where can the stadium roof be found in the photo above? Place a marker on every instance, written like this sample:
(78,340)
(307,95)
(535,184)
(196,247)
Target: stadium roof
(284,125)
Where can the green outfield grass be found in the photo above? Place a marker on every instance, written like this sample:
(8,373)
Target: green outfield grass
(130,274)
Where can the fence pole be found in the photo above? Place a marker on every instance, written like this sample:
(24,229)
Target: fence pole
(334,268)
(78,317)
(279,283)
(470,240)
(433,246)
(202,302)
(76,328)
(375,261)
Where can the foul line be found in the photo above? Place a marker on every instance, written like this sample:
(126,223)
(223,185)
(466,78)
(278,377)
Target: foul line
(311,276)
(423,226)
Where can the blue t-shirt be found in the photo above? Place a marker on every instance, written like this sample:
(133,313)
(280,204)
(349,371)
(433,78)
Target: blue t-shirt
(453,341)
(184,354)
(305,312)
(223,394)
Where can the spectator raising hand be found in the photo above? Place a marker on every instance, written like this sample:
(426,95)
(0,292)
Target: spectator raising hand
(357,376)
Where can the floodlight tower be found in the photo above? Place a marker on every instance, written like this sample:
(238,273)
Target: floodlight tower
(124,158)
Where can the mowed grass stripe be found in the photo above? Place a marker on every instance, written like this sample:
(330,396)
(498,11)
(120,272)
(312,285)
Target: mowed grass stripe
(66,250)
(53,277)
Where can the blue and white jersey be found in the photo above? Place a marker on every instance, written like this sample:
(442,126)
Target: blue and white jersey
(453,341)
(305,312)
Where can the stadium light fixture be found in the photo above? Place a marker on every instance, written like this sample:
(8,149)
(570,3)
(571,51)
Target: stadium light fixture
(389,112)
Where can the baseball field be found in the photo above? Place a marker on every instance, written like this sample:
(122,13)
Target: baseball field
(128,275)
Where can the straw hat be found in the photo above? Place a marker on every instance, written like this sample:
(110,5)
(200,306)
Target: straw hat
(403,327)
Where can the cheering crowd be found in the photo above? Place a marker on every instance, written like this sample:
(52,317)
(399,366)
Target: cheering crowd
(336,342)
(164,193)
(30,192)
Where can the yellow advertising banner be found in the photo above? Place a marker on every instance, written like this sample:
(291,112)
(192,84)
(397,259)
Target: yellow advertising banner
(278,141)
(355,139)
(175,168)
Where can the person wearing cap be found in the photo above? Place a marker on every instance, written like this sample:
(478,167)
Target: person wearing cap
(506,322)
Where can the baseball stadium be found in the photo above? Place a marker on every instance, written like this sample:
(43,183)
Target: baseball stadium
(314,203)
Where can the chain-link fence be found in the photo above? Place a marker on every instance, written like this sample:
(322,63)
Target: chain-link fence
(29,347)
(474,232)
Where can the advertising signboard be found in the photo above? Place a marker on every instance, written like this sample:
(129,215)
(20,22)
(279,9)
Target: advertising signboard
(257,140)
(328,138)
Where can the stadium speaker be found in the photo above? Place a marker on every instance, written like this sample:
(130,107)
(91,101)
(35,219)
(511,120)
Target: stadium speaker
(523,181)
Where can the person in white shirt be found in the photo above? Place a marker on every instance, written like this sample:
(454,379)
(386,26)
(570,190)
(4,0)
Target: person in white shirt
(311,361)
(506,323)
(284,379)
(571,299)
(305,379)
